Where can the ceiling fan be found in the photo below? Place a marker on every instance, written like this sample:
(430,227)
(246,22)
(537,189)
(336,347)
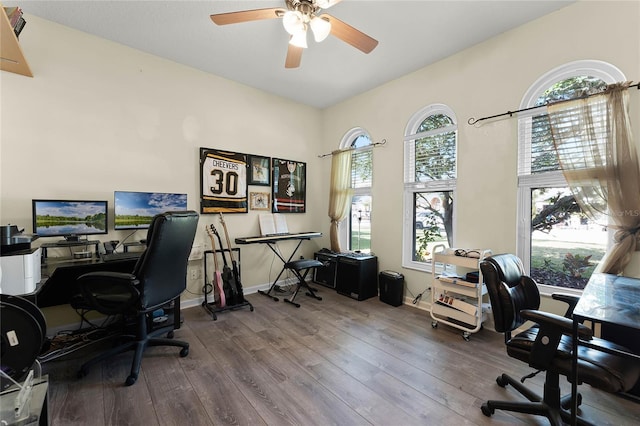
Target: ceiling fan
(298,16)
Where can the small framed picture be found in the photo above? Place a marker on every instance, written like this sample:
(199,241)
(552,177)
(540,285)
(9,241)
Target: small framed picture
(259,170)
(260,201)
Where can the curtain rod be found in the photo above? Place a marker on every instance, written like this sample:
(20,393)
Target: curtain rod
(473,121)
(373,145)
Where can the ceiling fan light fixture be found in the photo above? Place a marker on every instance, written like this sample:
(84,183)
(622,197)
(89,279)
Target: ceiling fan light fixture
(299,39)
(320,28)
(325,4)
(292,21)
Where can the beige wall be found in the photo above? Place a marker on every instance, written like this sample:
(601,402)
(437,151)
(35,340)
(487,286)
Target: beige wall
(99,117)
(487,79)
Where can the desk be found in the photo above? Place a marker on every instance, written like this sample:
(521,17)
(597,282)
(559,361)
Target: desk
(60,285)
(606,299)
(270,241)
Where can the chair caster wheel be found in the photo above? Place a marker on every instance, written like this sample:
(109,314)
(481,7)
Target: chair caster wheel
(131,379)
(251,308)
(434,324)
(486,410)
(82,373)
(184,352)
(501,382)
(566,405)
(170,335)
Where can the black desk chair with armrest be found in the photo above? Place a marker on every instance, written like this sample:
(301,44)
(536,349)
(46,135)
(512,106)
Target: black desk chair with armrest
(546,346)
(158,279)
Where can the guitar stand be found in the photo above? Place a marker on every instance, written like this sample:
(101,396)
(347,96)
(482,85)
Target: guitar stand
(300,269)
(211,307)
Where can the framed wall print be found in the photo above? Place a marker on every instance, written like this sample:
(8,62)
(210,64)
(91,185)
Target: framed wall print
(289,186)
(259,201)
(259,170)
(223,181)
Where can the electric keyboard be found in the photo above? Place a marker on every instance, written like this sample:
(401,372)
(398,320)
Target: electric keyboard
(129,255)
(278,237)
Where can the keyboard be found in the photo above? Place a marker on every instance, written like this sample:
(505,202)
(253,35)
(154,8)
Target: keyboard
(111,257)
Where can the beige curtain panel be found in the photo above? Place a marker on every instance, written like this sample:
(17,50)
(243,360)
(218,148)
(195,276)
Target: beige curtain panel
(340,193)
(597,154)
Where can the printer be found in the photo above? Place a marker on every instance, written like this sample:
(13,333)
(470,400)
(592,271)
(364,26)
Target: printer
(19,263)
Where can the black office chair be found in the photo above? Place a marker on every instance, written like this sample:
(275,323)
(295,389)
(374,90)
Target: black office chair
(547,345)
(157,281)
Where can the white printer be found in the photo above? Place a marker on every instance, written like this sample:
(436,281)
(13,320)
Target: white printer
(19,263)
(20,272)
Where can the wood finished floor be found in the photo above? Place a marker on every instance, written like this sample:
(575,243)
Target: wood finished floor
(331,362)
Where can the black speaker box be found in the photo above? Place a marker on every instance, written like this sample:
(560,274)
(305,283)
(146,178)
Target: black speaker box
(391,287)
(326,275)
(356,276)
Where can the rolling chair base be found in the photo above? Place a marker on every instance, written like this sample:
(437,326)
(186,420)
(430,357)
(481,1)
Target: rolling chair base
(542,406)
(139,346)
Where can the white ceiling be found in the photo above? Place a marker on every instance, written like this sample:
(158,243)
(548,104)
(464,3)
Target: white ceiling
(411,35)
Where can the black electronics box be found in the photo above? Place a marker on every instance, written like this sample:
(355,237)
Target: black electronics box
(356,275)
(391,287)
(326,275)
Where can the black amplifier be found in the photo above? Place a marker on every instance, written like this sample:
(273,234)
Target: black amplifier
(326,275)
(356,276)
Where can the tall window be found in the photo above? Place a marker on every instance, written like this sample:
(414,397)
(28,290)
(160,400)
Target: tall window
(358,232)
(557,243)
(430,151)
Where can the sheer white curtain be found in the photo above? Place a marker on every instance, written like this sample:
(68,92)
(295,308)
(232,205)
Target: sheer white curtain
(340,193)
(598,158)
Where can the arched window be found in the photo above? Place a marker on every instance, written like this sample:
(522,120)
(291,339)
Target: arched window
(430,157)
(357,235)
(559,246)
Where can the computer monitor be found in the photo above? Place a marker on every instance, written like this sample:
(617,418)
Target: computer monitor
(135,210)
(69,218)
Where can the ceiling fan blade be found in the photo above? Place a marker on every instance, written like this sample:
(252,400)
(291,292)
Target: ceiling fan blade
(348,34)
(247,15)
(294,56)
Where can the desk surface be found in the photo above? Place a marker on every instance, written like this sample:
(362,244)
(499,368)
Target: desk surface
(59,279)
(610,299)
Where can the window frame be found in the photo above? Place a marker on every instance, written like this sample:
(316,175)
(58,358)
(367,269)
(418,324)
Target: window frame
(346,143)
(411,186)
(527,181)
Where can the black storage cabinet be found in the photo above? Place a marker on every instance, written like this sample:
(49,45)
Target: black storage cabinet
(391,287)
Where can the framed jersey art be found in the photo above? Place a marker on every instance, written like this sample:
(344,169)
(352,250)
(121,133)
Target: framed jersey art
(289,186)
(223,181)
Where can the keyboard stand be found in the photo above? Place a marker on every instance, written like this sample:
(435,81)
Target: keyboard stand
(270,241)
(284,268)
